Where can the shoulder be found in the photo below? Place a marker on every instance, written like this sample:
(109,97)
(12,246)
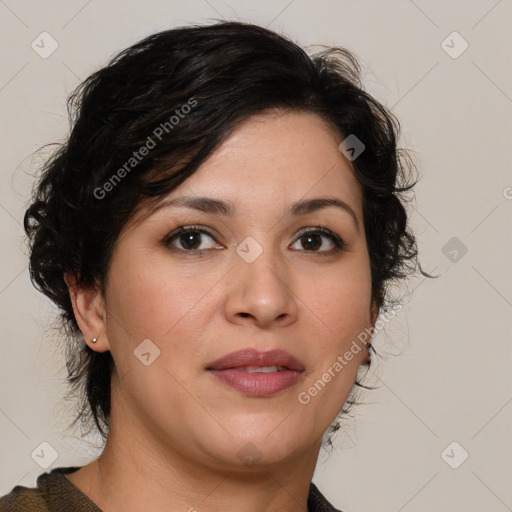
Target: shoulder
(48,496)
(317,502)
(23,498)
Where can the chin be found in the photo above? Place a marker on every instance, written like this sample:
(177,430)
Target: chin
(257,450)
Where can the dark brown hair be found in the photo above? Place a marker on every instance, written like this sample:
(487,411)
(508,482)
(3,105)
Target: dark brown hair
(185,90)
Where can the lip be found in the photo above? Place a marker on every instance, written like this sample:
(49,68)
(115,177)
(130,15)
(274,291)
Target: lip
(253,357)
(228,369)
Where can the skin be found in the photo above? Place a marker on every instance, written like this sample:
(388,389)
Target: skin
(175,430)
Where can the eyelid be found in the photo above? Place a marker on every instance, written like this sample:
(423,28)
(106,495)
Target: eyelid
(184,229)
(335,238)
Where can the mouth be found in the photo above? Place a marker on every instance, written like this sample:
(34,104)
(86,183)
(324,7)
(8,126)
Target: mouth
(262,369)
(257,374)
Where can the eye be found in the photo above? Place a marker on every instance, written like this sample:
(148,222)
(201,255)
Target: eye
(312,239)
(189,237)
(190,240)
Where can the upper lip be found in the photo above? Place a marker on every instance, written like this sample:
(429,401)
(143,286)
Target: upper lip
(253,357)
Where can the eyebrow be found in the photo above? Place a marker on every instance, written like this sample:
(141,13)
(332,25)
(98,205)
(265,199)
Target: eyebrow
(227,208)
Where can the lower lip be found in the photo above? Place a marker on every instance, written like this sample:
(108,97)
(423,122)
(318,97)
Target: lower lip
(259,383)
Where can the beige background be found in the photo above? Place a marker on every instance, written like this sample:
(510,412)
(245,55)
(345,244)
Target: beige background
(452,379)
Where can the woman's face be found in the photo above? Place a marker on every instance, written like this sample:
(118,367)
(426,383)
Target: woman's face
(176,303)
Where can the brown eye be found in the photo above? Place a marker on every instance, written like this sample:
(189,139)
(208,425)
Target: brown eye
(190,239)
(311,240)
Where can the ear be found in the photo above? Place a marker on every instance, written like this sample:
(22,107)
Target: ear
(374,313)
(89,310)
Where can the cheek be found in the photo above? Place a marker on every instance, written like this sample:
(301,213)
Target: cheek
(149,299)
(339,310)
(340,303)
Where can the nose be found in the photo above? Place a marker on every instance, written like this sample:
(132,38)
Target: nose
(261,292)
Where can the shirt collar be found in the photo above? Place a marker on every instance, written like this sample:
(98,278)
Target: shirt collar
(61,495)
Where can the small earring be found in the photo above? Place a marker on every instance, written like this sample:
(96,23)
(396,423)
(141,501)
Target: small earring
(94,340)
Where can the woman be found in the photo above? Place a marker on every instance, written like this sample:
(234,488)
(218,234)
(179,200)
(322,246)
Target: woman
(220,232)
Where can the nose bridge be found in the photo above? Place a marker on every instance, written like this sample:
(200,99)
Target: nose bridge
(262,285)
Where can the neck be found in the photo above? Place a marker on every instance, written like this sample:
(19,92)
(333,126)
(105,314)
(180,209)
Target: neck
(120,481)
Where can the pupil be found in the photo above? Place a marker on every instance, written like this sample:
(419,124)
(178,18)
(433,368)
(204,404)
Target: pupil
(309,245)
(188,239)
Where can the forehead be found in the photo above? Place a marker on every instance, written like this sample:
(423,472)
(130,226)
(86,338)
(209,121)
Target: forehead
(271,165)
(277,156)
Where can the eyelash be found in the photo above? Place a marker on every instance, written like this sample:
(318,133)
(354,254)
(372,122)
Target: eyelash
(336,240)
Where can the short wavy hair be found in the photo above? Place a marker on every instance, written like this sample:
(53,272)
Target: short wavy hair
(185,90)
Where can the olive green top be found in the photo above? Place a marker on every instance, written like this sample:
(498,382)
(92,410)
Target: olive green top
(55,493)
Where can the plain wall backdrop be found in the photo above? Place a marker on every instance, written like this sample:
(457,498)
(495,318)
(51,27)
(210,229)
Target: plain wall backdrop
(444,69)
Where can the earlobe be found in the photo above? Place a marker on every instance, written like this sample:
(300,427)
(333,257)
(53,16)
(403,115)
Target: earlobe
(89,310)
